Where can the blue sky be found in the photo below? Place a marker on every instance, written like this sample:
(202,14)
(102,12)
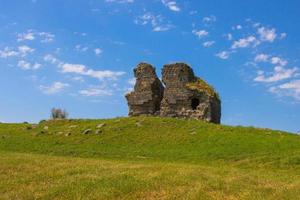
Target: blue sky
(79,55)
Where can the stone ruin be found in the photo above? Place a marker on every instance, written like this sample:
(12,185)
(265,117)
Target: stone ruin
(148,92)
(183,95)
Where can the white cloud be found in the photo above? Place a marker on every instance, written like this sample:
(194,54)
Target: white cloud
(172,5)
(291,89)
(104,74)
(46,37)
(25,36)
(161,28)
(28,66)
(200,33)
(223,55)
(208,43)
(95,92)
(261,58)
(98,51)
(56,87)
(282,35)
(266,34)
(24,50)
(229,36)
(279,74)
(193,12)
(237,27)
(278,61)
(30,35)
(8,52)
(51,59)
(272,60)
(21,51)
(78,78)
(83,70)
(24,65)
(245,42)
(80,48)
(156,21)
(210,18)
(73,68)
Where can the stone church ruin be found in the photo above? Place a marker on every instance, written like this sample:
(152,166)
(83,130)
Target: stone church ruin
(180,94)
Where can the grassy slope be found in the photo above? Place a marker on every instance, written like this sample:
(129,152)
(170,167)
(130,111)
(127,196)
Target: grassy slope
(147,158)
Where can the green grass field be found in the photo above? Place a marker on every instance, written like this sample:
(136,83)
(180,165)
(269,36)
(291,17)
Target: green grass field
(147,158)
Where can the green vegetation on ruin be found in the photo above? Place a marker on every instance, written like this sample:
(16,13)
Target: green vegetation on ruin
(147,158)
(202,86)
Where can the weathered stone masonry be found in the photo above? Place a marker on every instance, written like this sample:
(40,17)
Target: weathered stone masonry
(184,94)
(148,92)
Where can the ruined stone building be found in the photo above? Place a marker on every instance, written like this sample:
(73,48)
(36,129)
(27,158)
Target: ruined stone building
(182,94)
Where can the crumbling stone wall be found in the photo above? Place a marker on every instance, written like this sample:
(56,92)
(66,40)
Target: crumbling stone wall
(148,92)
(184,95)
(187,95)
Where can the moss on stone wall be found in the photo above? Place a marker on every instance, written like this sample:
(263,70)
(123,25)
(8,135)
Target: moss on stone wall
(202,86)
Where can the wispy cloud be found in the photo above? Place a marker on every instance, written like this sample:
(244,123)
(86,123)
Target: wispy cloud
(200,33)
(208,43)
(54,88)
(24,50)
(98,51)
(223,55)
(25,36)
(266,34)
(95,92)
(25,65)
(45,37)
(291,89)
(261,58)
(279,74)
(81,48)
(171,5)
(157,22)
(83,70)
(51,59)
(21,51)
(8,52)
(209,19)
(245,42)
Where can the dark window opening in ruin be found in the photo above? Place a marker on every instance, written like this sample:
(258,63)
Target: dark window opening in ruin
(195,103)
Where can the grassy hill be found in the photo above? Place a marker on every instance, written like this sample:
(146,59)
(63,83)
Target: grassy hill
(147,158)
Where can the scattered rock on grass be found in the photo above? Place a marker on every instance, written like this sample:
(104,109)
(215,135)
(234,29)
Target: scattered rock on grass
(101,125)
(67,134)
(46,127)
(98,132)
(138,124)
(87,131)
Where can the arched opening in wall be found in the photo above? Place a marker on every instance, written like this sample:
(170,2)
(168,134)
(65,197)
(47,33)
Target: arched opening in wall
(195,103)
